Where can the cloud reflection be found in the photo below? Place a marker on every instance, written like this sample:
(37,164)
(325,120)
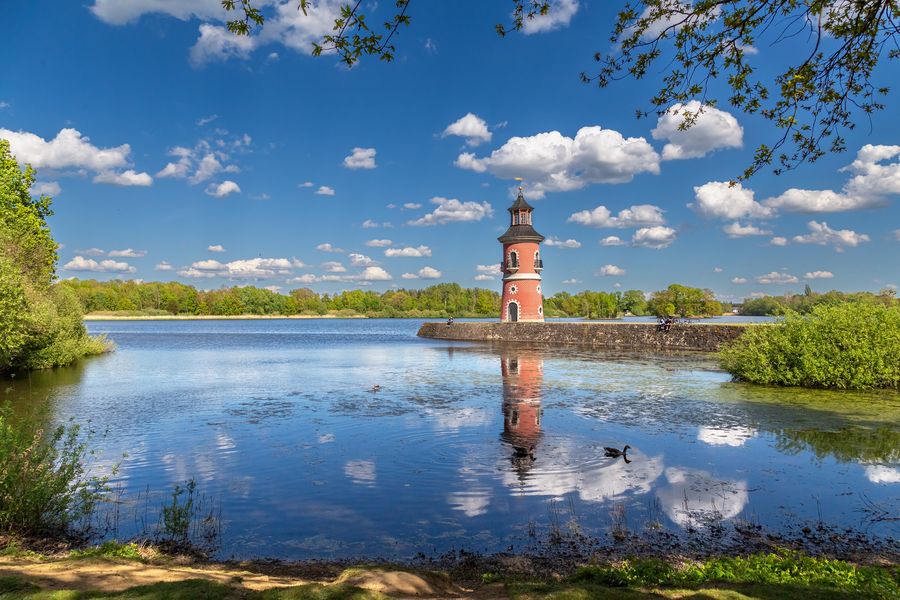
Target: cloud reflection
(695,498)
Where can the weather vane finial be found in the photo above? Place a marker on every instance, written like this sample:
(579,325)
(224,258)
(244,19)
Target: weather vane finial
(520,179)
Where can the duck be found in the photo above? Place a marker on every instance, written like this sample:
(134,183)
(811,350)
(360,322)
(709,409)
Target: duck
(615,452)
(375,388)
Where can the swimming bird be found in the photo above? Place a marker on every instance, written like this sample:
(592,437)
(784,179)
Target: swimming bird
(375,388)
(615,452)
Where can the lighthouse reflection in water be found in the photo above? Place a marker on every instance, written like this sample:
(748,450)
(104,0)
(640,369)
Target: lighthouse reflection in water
(522,371)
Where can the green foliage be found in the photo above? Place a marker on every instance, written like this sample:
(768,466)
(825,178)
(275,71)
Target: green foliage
(110,549)
(805,302)
(782,568)
(176,516)
(855,345)
(40,325)
(684,301)
(44,485)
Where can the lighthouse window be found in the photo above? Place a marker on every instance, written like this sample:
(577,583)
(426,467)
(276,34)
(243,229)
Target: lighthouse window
(539,288)
(514,418)
(540,310)
(514,259)
(513,289)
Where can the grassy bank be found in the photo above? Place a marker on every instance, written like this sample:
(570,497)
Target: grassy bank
(114,571)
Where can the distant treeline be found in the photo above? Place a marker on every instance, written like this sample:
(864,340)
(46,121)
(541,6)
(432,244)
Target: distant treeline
(443,300)
(805,302)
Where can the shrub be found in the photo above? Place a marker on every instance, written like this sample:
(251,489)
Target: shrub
(847,346)
(45,487)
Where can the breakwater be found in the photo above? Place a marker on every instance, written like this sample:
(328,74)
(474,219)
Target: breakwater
(701,337)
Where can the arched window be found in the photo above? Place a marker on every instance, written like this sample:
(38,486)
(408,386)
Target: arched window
(514,259)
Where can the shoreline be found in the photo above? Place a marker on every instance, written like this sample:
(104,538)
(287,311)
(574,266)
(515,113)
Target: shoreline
(95,317)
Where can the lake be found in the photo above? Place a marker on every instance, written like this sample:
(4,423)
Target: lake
(275,422)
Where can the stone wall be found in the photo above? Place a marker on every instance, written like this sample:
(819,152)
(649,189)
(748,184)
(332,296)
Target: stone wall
(702,337)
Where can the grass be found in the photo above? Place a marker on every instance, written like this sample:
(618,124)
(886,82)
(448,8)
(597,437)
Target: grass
(15,588)
(777,576)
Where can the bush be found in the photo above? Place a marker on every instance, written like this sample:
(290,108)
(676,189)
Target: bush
(847,346)
(44,485)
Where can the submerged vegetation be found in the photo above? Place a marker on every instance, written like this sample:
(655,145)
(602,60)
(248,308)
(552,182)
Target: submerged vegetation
(40,324)
(855,345)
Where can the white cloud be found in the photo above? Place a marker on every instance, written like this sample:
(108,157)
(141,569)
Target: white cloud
(205,159)
(361,158)
(327,247)
(378,243)
(896,234)
(359,260)
(778,241)
(70,149)
(411,206)
(80,263)
(611,271)
(206,120)
(553,162)
(718,269)
(217,44)
(487,272)
(639,215)
(872,180)
(471,127)
(738,280)
(553,242)
(128,253)
(819,275)
(572,281)
(245,269)
(370,224)
(822,234)
(324,190)
(612,240)
(451,210)
(719,199)
(882,474)
(736,230)
(3,104)
(711,129)
(361,472)
(559,15)
(725,436)
(776,278)
(656,237)
(483,277)
(424,273)
(45,188)
(92,252)
(333,266)
(220,190)
(125,178)
(164,266)
(375,274)
(409,252)
(216,248)
(306,184)
(116,12)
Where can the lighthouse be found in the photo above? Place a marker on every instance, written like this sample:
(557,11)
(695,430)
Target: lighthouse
(521,266)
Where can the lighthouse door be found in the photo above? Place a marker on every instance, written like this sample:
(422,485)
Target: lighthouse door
(513,312)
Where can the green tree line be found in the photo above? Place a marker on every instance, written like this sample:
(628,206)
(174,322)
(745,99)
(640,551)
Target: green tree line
(804,303)
(443,300)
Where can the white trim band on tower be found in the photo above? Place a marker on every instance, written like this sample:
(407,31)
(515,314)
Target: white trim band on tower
(520,276)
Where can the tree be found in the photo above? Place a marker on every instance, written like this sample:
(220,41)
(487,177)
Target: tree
(824,85)
(40,325)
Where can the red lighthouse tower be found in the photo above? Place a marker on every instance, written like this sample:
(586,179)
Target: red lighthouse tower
(521,266)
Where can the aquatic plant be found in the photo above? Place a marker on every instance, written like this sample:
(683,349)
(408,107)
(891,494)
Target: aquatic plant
(847,346)
(45,484)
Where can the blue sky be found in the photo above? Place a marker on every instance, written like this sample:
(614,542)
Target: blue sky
(176,152)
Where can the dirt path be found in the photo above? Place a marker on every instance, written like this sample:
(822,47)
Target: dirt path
(115,575)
